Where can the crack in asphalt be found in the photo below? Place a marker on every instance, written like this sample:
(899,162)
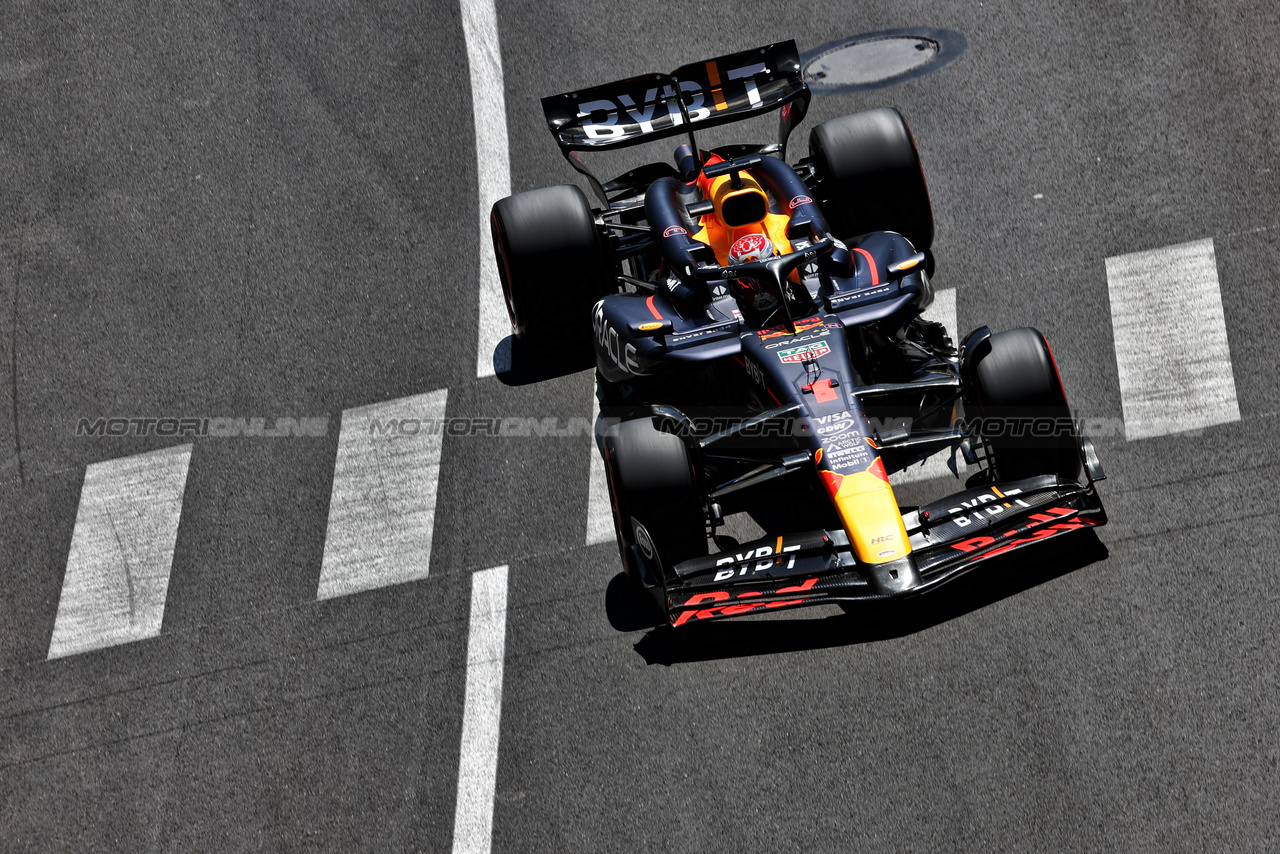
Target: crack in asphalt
(13,363)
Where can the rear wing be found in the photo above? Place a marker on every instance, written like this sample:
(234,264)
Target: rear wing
(720,90)
(645,108)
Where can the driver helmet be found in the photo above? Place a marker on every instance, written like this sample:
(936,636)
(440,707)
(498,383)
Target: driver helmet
(750,293)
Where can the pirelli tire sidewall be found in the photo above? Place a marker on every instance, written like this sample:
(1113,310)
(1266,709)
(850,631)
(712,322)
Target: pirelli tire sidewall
(870,177)
(553,266)
(653,493)
(1024,417)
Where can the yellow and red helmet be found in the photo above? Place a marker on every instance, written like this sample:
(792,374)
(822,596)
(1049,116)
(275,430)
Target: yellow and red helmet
(750,293)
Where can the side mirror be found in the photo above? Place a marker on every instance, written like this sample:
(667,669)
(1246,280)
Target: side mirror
(649,329)
(917,262)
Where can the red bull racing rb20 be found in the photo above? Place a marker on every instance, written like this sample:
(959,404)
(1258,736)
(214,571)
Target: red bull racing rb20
(760,348)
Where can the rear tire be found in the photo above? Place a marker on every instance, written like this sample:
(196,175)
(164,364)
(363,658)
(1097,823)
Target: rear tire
(551,262)
(651,488)
(1019,395)
(870,176)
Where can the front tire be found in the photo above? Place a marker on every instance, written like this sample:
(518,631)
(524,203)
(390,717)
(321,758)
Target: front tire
(1026,422)
(551,262)
(870,176)
(656,507)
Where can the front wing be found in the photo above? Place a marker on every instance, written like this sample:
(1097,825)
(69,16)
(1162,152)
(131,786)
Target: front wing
(949,538)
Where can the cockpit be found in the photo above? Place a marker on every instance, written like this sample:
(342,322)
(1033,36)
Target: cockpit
(735,212)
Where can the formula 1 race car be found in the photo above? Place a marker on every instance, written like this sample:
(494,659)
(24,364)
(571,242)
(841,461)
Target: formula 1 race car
(760,349)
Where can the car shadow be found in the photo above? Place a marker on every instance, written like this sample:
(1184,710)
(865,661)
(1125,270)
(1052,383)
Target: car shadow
(628,608)
(514,365)
(862,622)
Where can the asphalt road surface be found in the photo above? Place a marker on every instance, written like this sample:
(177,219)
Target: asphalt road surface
(235,210)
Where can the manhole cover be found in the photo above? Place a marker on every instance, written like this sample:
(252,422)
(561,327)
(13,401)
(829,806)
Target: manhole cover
(870,62)
(874,60)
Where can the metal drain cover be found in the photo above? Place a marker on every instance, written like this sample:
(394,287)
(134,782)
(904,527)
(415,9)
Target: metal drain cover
(874,60)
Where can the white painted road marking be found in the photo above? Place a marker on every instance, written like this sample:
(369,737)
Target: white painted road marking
(121,551)
(482,713)
(493,167)
(943,310)
(1170,336)
(599,510)
(383,505)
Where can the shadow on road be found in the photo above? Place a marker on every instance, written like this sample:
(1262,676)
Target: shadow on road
(628,608)
(861,622)
(516,366)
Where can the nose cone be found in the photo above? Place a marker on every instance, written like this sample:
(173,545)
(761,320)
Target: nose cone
(867,507)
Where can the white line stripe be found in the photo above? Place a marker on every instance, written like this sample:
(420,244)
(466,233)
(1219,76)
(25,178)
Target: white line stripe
(943,310)
(1171,340)
(121,551)
(599,510)
(480,29)
(383,505)
(482,713)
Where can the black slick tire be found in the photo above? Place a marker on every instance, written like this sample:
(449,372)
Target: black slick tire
(551,262)
(655,503)
(870,177)
(1026,422)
